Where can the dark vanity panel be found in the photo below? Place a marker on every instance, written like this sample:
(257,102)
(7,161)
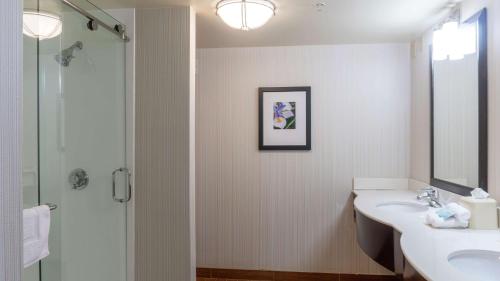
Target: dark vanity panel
(382,244)
(376,240)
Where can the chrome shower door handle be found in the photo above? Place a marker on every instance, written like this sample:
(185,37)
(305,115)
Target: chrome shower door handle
(129,193)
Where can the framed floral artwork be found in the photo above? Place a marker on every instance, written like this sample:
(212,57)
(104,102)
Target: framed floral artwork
(285,118)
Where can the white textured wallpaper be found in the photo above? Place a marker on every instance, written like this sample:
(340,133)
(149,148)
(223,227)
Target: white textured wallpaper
(11,79)
(164,182)
(293,211)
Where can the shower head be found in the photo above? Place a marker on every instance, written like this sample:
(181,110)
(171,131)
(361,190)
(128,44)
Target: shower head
(66,55)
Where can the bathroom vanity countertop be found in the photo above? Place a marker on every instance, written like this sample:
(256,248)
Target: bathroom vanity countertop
(425,248)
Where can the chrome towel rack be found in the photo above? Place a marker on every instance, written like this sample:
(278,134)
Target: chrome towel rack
(51,206)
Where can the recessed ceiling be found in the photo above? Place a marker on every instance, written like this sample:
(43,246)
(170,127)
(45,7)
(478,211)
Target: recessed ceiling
(302,22)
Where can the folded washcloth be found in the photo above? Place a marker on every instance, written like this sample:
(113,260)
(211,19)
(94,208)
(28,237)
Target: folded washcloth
(36,225)
(433,219)
(445,213)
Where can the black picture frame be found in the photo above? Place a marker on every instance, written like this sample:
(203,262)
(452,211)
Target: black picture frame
(481,19)
(262,92)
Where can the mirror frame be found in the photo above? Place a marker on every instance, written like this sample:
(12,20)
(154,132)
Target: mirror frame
(481,19)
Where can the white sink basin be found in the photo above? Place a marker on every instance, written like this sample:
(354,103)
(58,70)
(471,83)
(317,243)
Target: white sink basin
(399,206)
(480,264)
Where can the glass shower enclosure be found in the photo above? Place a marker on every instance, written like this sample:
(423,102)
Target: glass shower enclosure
(74,145)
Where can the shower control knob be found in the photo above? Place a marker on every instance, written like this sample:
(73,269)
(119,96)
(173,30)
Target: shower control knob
(79,179)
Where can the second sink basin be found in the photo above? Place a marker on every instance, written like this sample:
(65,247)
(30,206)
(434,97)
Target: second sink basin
(400,206)
(480,264)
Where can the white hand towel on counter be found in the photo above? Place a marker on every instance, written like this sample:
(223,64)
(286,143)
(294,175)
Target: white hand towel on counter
(36,227)
(436,221)
(456,217)
(460,213)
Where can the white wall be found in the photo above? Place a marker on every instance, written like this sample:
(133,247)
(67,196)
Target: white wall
(164,144)
(293,211)
(420,147)
(11,78)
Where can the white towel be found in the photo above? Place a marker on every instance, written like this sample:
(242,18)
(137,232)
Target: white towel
(460,213)
(438,222)
(36,226)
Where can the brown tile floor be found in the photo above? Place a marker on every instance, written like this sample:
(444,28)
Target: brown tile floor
(371,278)
(215,279)
(207,274)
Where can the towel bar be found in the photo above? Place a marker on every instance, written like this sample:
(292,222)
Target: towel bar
(51,206)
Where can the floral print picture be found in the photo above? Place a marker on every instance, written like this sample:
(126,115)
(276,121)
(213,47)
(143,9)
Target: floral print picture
(285,118)
(284,115)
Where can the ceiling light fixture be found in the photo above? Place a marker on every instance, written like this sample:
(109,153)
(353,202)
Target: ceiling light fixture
(245,14)
(41,25)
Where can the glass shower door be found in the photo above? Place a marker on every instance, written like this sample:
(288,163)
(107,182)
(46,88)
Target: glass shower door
(81,117)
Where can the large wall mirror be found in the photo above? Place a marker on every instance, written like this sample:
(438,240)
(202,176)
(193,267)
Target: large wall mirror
(459,105)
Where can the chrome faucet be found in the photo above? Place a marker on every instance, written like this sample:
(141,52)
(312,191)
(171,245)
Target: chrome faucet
(431,195)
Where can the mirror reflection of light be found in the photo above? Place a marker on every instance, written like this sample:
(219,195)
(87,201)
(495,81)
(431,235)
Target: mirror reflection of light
(439,50)
(41,25)
(469,38)
(452,35)
(454,41)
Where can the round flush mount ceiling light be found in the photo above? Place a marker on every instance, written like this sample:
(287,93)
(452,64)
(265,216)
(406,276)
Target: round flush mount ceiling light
(245,14)
(41,25)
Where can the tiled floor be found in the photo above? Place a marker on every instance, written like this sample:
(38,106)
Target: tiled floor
(207,274)
(319,279)
(215,279)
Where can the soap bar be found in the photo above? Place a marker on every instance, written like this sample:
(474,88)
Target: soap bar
(483,212)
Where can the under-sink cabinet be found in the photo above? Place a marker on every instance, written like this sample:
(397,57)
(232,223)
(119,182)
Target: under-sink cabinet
(382,244)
